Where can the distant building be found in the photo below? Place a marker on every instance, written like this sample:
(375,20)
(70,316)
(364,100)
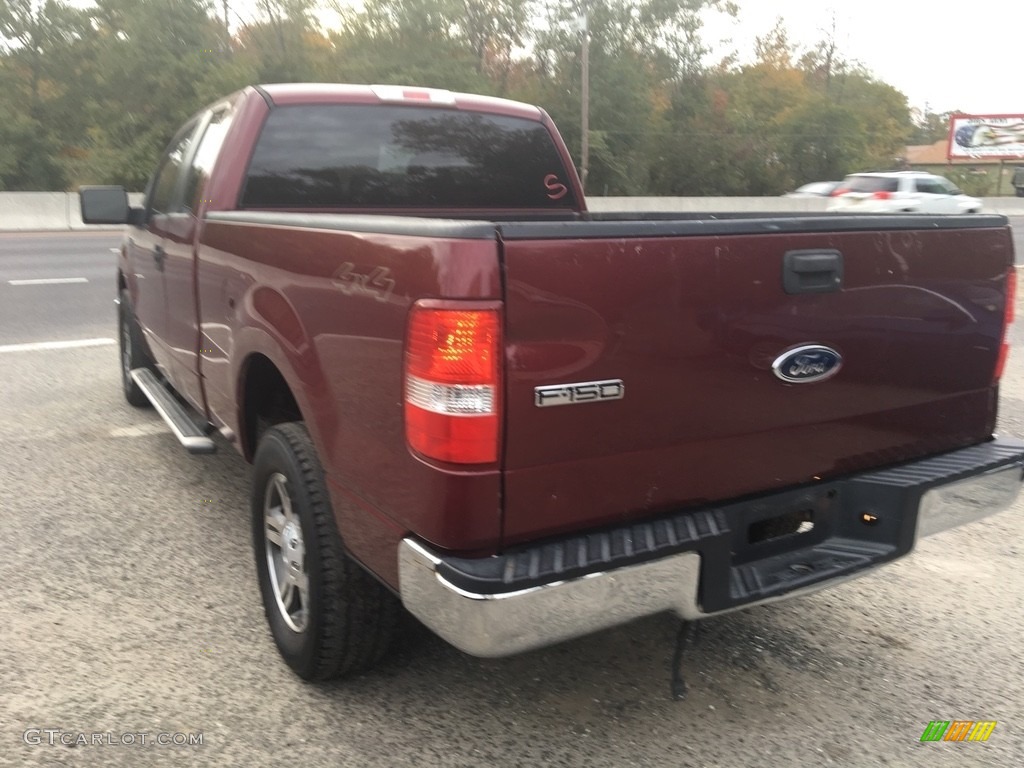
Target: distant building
(978,176)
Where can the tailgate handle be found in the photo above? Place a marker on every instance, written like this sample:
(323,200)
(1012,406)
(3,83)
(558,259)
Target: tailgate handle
(812,271)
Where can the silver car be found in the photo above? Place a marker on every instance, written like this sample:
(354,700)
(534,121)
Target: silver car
(814,189)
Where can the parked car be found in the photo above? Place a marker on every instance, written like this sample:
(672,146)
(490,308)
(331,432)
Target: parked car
(814,189)
(901,192)
(465,394)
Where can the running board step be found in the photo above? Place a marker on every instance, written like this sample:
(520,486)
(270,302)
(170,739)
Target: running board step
(192,437)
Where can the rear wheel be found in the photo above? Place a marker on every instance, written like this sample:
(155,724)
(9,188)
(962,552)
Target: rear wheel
(132,346)
(327,615)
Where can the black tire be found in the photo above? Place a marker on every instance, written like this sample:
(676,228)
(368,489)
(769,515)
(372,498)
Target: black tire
(132,346)
(345,619)
(1020,191)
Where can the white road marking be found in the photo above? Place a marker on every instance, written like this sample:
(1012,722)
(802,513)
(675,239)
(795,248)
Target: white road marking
(36,346)
(140,430)
(49,281)
(115,250)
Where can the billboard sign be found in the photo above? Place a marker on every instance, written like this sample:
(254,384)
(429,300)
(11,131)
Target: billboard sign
(996,137)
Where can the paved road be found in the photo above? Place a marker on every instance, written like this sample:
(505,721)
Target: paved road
(46,311)
(128,605)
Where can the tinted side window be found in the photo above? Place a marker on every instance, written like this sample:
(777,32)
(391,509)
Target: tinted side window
(871,184)
(206,154)
(352,156)
(929,186)
(169,171)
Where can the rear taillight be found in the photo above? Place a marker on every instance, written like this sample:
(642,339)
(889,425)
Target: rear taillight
(838,192)
(1008,316)
(453,381)
(883,195)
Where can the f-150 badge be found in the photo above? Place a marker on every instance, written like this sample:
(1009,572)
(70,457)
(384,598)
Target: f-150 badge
(807,364)
(582,392)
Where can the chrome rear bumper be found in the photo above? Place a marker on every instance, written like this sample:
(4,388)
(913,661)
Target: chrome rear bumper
(936,494)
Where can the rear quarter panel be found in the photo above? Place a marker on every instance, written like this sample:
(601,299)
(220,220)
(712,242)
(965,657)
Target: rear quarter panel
(330,309)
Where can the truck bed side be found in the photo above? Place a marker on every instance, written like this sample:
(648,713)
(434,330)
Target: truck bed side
(325,299)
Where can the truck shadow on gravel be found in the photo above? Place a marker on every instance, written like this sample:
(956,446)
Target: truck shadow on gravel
(736,659)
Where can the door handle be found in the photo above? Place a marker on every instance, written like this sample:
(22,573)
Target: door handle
(159,254)
(812,271)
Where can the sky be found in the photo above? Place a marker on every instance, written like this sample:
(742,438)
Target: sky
(945,56)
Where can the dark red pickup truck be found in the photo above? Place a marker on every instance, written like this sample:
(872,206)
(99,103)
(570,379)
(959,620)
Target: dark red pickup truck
(464,394)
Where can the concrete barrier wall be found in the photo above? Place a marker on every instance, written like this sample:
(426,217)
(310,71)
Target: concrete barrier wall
(1007,206)
(48,211)
(34,210)
(706,204)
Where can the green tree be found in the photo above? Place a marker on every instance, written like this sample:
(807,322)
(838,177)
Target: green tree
(283,43)
(638,50)
(151,59)
(883,116)
(38,99)
(866,122)
(823,141)
(738,127)
(93,95)
(456,44)
(930,127)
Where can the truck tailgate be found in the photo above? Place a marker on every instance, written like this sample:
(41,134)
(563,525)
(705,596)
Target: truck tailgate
(691,316)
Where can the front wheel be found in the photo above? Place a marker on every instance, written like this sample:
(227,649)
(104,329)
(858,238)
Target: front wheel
(132,346)
(327,615)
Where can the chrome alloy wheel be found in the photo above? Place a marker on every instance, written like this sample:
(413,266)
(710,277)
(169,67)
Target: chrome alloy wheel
(286,554)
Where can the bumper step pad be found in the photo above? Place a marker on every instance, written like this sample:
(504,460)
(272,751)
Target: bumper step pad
(859,522)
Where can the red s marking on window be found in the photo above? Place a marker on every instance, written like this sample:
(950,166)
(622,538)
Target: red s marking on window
(557,189)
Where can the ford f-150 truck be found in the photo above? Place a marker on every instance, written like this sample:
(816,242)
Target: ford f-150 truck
(463,394)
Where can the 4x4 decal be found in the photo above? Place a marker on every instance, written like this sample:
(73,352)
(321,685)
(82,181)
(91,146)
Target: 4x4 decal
(376,284)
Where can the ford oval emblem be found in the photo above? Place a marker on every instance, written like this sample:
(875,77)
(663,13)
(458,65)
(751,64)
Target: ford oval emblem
(807,364)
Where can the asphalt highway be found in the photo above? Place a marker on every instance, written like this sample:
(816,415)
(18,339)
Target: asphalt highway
(128,606)
(41,311)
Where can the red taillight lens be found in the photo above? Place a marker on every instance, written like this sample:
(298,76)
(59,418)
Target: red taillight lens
(453,381)
(1009,312)
(883,195)
(838,192)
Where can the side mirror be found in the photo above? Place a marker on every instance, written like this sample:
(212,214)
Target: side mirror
(107,205)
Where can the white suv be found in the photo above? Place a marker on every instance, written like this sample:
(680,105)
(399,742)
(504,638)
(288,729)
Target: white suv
(900,192)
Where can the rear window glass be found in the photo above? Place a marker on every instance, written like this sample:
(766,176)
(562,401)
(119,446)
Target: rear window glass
(870,184)
(353,156)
